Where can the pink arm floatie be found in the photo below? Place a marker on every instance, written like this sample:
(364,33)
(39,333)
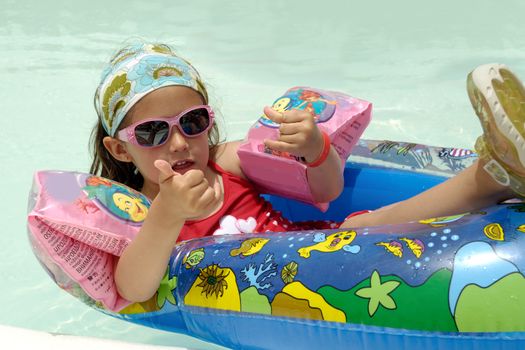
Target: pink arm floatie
(79,225)
(342,117)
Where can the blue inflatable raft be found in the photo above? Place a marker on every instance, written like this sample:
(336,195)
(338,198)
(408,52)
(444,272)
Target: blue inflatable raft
(442,283)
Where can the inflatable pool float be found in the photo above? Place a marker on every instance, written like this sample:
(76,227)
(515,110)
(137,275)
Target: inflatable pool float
(442,283)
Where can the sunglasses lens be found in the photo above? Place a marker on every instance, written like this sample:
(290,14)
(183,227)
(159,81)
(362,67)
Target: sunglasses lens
(152,133)
(195,121)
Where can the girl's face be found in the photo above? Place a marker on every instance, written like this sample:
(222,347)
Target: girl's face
(183,153)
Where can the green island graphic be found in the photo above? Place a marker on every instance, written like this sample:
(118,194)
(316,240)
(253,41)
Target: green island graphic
(424,307)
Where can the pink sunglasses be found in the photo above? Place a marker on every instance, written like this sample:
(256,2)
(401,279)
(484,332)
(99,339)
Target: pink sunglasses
(155,132)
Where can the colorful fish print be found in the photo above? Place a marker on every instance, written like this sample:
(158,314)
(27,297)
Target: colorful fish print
(332,243)
(193,258)
(249,247)
(415,245)
(393,247)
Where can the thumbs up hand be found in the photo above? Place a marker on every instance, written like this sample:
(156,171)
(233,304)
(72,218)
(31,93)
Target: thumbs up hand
(189,195)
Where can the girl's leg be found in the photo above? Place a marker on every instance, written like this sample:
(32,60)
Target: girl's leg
(498,98)
(470,190)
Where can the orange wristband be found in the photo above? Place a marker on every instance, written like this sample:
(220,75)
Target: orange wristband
(324,153)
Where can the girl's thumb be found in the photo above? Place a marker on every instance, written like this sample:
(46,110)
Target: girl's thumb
(165,170)
(217,189)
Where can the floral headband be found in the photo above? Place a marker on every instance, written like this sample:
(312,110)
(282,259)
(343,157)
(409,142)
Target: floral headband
(135,72)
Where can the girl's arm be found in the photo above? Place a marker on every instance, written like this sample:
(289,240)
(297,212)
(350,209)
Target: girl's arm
(143,263)
(300,136)
(326,180)
(226,156)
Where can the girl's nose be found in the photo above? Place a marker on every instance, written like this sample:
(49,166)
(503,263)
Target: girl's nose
(177,141)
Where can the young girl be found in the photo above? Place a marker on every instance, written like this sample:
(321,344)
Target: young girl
(157,134)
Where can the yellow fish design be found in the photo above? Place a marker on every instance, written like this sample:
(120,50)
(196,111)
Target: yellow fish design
(193,258)
(415,245)
(333,243)
(393,247)
(249,247)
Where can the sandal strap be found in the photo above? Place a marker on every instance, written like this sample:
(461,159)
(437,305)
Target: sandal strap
(497,170)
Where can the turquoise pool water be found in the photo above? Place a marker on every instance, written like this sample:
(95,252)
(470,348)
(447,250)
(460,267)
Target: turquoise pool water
(410,58)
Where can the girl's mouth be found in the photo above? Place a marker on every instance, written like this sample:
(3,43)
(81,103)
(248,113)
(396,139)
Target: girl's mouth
(182,165)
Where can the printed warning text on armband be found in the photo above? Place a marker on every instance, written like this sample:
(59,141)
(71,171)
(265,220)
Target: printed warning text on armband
(92,268)
(71,254)
(61,244)
(340,150)
(84,258)
(356,124)
(95,239)
(349,138)
(93,265)
(103,281)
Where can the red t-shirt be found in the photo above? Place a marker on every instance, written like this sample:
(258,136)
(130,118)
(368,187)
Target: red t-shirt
(244,211)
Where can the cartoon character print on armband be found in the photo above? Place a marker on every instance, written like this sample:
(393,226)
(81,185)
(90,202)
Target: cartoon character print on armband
(116,199)
(322,107)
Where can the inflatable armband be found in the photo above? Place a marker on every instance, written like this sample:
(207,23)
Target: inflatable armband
(79,225)
(342,117)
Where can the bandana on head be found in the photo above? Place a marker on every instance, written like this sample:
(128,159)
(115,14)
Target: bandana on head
(136,71)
